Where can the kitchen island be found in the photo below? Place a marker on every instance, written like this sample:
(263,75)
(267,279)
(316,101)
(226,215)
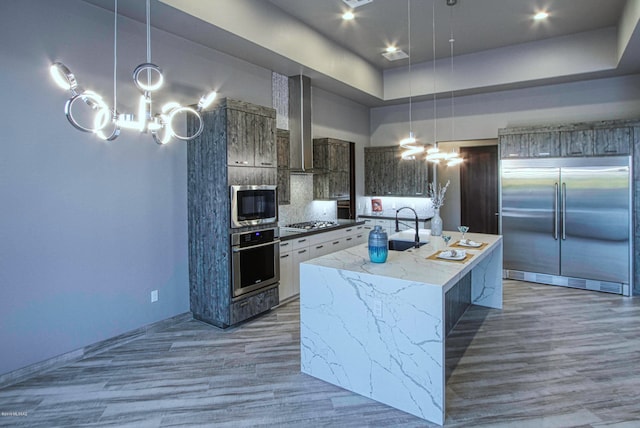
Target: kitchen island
(379,329)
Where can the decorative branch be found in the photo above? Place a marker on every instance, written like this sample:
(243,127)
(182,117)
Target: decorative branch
(437,194)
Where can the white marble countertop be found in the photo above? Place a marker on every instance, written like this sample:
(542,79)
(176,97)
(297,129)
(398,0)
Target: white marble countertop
(412,265)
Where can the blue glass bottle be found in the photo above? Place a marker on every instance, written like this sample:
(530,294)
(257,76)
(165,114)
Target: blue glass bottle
(378,245)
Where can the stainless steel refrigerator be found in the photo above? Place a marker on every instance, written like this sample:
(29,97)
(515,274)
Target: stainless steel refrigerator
(567,221)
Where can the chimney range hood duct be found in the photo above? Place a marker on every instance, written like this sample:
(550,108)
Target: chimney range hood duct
(300,144)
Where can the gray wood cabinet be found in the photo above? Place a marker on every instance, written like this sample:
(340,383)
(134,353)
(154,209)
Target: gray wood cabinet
(331,168)
(284,176)
(577,143)
(251,135)
(386,173)
(613,141)
(208,204)
(606,138)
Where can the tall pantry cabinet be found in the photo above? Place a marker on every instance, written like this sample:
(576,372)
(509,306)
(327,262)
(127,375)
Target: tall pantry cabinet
(237,146)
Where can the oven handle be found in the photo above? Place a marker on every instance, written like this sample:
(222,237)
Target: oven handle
(238,249)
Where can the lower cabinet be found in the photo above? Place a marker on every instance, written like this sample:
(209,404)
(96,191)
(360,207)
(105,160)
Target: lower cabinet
(298,250)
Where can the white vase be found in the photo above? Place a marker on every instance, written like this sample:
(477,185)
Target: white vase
(436,223)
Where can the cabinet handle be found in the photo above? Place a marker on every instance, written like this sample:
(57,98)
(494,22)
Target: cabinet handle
(302,251)
(611,150)
(301,240)
(284,256)
(319,246)
(266,163)
(349,230)
(359,236)
(283,244)
(349,239)
(576,152)
(544,154)
(337,242)
(512,155)
(243,162)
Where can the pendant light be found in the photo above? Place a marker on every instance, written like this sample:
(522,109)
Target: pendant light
(434,154)
(454,157)
(410,143)
(148,78)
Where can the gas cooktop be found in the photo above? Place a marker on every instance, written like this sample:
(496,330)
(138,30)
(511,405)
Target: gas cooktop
(311,225)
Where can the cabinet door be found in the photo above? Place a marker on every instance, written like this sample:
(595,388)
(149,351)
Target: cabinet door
(577,143)
(544,144)
(282,147)
(380,171)
(240,143)
(412,177)
(286,276)
(514,146)
(264,141)
(284,187)
(299,256)
(339,156)
(613,141)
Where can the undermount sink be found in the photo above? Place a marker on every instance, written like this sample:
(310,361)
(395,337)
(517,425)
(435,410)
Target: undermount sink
(401,245)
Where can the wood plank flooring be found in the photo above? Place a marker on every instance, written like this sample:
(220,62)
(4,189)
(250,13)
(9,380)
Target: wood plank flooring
(553,357)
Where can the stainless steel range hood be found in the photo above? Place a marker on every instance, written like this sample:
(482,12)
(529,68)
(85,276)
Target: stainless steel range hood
(300,143)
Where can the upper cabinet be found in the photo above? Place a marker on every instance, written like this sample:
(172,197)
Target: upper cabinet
(331,165)
(387,174)
(251,135)
(284,177)
(607,138)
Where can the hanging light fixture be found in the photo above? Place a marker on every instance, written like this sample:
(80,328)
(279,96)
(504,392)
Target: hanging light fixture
(434,154)
(159,125)
(410,143)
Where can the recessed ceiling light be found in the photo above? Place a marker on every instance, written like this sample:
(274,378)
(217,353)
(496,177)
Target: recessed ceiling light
(540,16)
(392,49)
(356,3)
(395,54)
(348,16)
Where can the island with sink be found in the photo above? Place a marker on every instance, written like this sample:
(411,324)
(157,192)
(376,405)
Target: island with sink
(379,329)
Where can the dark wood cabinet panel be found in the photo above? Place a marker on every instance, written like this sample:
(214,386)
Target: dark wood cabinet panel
(514,146)
(613,141)
(544,144)
(284,176)
(577,143)
(331,164)
(251,135)
(386,173)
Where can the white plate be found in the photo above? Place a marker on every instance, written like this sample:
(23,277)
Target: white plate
(446,255)
(468,243)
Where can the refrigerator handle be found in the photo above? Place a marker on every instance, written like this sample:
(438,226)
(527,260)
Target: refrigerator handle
(555,214)
(564,211)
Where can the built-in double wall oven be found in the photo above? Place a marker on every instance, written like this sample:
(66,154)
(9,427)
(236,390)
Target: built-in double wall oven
(255,260)
(255,254)
(253,205)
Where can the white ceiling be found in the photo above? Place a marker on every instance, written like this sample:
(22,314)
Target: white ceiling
(309,37)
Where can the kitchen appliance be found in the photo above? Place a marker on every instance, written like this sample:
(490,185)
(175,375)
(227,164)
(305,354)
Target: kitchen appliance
(310,225)
(253,205)
(567,222)
(344,208)
(300,143)
(255,260)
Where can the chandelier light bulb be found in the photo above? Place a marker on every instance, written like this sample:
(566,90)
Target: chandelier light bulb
(206,100)
(62,76)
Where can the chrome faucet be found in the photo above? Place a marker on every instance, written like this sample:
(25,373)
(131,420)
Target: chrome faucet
(398,226)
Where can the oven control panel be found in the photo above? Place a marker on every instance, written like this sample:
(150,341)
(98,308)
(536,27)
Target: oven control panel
(254,237)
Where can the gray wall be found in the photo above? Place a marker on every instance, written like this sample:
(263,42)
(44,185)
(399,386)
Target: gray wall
(88,228)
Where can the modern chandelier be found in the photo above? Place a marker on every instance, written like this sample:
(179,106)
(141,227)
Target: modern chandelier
(107,122)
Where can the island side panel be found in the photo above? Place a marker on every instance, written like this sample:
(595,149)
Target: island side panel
(486,279)
(379,337)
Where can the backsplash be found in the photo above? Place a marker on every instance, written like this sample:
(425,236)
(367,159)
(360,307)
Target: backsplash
(303,207)
(391,204)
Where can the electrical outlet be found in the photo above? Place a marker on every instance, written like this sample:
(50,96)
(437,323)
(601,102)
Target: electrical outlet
(154,296)
(377,308)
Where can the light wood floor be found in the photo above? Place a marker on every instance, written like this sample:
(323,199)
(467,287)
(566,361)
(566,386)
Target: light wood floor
(553,357)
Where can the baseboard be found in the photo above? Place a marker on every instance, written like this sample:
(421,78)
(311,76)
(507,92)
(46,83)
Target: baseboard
(89,350)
